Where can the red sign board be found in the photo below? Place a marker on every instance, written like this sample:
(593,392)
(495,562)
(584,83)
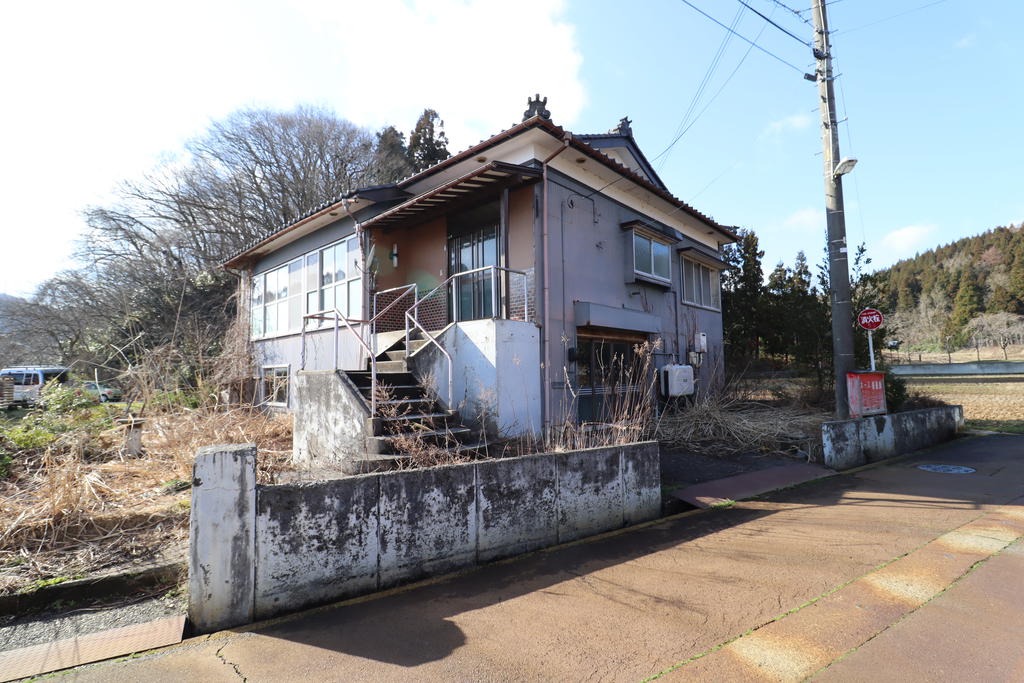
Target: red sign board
(870,319)
(867,393)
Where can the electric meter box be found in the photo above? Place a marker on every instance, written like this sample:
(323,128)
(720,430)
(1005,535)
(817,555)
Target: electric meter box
(677,380)
(700,342)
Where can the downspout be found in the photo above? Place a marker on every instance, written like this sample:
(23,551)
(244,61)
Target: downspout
(545,351)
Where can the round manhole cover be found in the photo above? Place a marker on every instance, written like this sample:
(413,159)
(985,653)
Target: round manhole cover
(947,469)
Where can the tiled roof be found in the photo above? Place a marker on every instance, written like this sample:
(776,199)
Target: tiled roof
(578,142)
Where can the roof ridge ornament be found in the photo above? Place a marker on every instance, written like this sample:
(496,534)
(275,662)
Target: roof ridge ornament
(536,107)
(624,127)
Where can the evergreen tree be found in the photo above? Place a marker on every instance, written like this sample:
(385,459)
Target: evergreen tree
(742,302)
(966,305)
(428,144)
(391,156)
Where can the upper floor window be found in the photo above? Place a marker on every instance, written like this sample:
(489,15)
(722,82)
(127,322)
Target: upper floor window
(651,258)
(327,279)
(701,285)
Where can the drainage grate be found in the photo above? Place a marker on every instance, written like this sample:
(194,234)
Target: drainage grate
(947,469)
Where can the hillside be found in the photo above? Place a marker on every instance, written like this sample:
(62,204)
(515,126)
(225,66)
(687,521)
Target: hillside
(934,296)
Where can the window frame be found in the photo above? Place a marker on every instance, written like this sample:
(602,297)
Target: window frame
(265,376)
(650,274)
(714,282)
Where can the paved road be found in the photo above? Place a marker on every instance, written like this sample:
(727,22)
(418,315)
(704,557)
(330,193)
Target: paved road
(890,573)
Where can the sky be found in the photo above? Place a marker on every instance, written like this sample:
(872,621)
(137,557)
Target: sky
(931,92)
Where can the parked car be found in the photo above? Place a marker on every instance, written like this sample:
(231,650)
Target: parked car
(104,392)
(29,380)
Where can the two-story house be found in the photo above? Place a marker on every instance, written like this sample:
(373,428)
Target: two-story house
(497,276)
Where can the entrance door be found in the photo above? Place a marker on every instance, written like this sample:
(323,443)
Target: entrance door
(608,370)
(472,244)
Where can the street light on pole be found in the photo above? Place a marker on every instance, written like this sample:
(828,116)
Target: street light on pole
(838,256)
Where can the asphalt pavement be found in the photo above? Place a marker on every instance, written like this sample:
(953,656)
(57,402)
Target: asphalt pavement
(887,573)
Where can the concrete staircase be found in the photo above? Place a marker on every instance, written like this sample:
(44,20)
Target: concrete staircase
(408,414)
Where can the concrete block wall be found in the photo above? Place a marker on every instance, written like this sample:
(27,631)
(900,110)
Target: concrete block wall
(852,443)
(312,543)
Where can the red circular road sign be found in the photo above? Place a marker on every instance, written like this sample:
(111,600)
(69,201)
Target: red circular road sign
(870,319)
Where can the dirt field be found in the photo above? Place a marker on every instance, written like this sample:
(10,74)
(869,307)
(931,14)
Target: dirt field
(993,402)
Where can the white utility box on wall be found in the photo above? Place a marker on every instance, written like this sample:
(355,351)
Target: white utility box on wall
(677,380)
(700,342)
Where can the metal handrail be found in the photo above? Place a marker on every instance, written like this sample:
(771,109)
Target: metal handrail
(414,288)
(370,324)
(430,338)
(412,313)
(494,293)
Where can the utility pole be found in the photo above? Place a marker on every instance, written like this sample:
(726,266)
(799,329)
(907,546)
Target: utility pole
(838,255)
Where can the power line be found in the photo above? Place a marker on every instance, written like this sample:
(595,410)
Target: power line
(895,16)
(681,133)
(743,38)
(792,35)
(790,9)
(712,67)
(827,4)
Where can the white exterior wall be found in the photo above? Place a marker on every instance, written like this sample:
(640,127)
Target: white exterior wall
(495,376)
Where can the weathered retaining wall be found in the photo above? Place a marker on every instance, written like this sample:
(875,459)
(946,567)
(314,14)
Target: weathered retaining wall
(312,543)
(330,420)
(851,443)
(988,367)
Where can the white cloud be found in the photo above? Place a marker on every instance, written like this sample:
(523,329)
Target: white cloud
(906,241)
(96,92)
(794,122)
(966,41)
(807,220)
(474,61)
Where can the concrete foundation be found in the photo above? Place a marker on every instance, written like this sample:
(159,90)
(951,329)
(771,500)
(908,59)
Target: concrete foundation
(309,544)
(852,443)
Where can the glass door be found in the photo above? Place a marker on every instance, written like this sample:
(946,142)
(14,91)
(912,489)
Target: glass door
(472,244)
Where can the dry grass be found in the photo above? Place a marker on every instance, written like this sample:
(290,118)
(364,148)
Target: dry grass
(65,513)
(991,402)
(724,423)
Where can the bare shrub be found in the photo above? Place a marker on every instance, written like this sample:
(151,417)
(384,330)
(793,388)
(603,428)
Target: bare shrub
(727,420)
(627,409)
(421,450)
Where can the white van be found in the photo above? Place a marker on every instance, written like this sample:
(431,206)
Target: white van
(30,379)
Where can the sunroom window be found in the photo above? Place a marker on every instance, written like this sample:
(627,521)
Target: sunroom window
(651,258)
(319,281)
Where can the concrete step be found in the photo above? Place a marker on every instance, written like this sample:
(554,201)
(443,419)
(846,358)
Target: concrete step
(450,437)
(420,422)
(391,366)
(400,392)
(397,354)
(361,378)
(417,344)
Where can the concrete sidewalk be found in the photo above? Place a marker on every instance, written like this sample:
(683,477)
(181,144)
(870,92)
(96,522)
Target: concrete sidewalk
(729,593)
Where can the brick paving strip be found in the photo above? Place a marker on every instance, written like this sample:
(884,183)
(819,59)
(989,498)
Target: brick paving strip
(807,639)
(89,647)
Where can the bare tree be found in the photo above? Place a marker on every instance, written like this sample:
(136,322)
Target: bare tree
(151,259)
(998,329)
